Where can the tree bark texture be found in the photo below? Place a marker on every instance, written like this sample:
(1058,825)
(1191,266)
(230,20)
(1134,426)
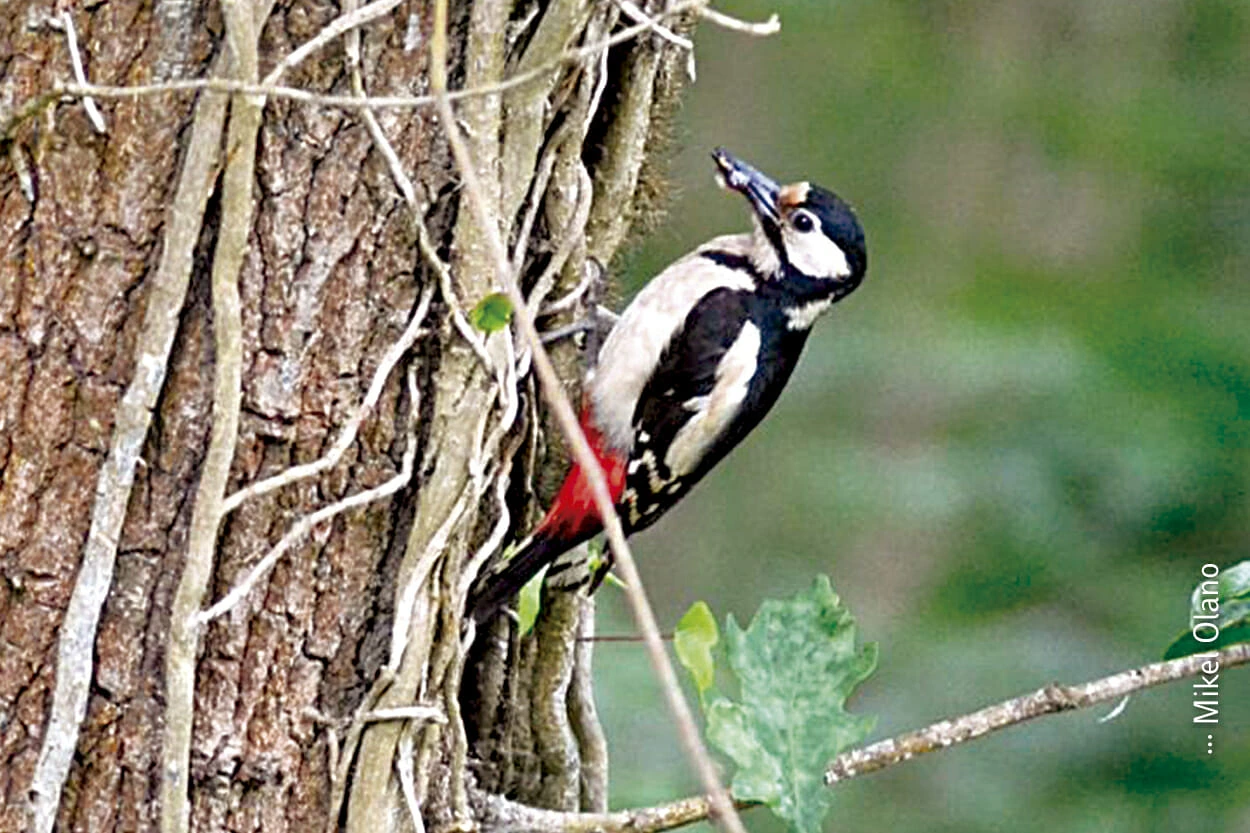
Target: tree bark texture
(289,728)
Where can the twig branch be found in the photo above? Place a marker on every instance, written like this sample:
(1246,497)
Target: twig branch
(667,637)
(309,522)
(431,714)
(405,767)
(383,145)
(503,814)
(82,88)
(567,420)
(498,813)
(344,23)
(348,435)
(1048,700)
(769,27)
(634,13)
(80,75)
(345,102)
(589,275)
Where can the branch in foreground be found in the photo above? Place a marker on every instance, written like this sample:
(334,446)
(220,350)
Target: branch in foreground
(498,813)
(82,88)
(350,103)
(1051,699)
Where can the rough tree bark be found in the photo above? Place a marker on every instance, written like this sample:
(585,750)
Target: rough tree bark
(114,285)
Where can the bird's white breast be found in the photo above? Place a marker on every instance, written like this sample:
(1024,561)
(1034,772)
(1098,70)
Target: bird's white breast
(632,351)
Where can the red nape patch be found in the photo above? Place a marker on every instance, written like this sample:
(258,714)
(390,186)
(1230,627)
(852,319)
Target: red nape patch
(573,516)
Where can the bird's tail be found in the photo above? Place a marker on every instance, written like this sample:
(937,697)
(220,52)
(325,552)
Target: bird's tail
(493,591)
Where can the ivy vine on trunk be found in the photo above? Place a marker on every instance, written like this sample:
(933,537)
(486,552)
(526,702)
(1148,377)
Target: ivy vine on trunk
(252,220)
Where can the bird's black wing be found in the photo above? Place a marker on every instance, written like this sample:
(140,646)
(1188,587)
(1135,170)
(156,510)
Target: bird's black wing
(686,375)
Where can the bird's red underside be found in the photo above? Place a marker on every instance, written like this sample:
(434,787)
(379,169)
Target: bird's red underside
(573,514)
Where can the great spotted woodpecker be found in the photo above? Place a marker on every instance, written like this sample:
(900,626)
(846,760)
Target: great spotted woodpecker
(696,361)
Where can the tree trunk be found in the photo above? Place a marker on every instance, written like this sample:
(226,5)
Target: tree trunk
(119,348)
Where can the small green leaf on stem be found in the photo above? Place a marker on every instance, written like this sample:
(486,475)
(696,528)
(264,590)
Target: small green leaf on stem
(529,602)
(693,640)
(492,313)
(595,551)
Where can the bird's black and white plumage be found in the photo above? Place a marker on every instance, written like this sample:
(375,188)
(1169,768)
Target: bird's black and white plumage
(696,361)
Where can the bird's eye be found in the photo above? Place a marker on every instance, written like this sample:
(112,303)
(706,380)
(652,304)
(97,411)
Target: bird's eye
(803,222)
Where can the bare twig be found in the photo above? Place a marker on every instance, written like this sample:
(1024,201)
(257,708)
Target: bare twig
(348,435)
(566,301)
(1048,700)
(406,598)
(455,309)
(462,817)
(405,765)
(634,13)
(667,637)
(483,449)
(769,27)
(501,813)
(592,743)
(491,545)
(80,75)
(1116,711)
(498,813)
(346,22)
(430,714)
(563,412)
(368,711)
(308,522)
(402,181)
(347,102)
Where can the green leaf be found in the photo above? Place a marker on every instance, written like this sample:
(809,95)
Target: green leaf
(594,555)
(595,551)
(610,580)
(797,663)
(492,313)
(1219,613)
(530,601)
(693,640)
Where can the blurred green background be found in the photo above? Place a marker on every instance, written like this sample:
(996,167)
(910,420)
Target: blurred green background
(1015,446)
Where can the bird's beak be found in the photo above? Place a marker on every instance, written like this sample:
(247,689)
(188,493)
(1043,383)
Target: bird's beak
(755,186)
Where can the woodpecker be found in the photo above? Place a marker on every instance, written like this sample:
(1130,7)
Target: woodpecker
(696,361)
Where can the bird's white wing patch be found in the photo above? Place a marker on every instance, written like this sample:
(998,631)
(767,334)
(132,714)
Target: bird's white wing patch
(632,350)
(733,380)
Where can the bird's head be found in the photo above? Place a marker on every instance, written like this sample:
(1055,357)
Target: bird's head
(800,227)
